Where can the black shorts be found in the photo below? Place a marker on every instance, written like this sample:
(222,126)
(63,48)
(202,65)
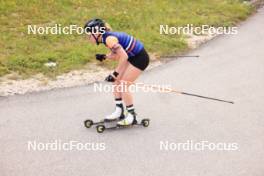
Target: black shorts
(140,60)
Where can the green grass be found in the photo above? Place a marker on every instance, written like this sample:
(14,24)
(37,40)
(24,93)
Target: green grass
(26,54)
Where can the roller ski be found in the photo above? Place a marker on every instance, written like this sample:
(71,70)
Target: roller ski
(118,119)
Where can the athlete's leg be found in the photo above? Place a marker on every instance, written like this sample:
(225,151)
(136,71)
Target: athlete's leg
(130,75)
(119,108)
(118,94)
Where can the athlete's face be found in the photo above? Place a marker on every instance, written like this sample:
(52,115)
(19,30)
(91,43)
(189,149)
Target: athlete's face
(91,39)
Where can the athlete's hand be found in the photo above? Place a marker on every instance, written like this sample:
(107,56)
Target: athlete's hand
(112,77)
(100,57)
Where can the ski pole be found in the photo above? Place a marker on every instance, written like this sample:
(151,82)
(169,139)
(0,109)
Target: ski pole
(182,56)
(200,96)
(183,93)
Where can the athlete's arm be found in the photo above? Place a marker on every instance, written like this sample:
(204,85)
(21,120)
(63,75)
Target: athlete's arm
(110,42)
(112,56)
(117,51)
(122,55)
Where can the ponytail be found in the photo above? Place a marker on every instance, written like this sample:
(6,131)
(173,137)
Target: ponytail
(108,27)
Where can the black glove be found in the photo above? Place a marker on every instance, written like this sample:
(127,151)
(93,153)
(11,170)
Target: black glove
(100,57)
(112,77)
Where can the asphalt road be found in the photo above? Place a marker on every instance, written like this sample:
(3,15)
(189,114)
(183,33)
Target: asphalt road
(229,67)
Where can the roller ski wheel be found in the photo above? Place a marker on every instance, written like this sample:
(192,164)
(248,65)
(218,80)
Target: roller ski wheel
(145,122)
(88,123)
(100,128)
